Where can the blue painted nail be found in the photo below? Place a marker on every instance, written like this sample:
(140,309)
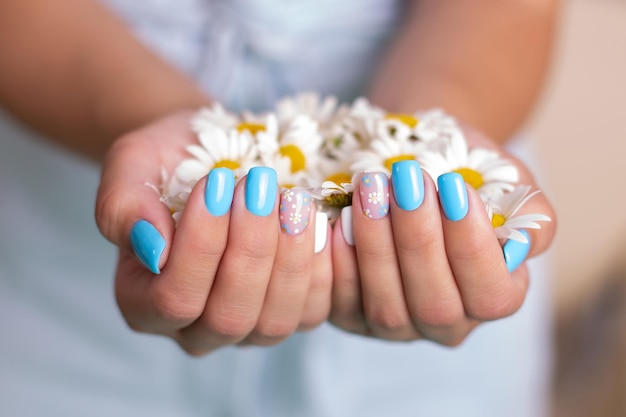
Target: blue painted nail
(218,194)
(148,244)
(516,252)
(408,184)
(453,196)
(261,189)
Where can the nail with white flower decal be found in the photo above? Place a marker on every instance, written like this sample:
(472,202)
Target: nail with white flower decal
(374,191)
(294,211)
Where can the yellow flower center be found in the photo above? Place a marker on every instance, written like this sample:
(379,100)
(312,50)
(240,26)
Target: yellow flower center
(340,178)
(407,119)
(298,161)
(339,200)
(497,220)
(253,128)
(472,177)
(390,161)
(227,163)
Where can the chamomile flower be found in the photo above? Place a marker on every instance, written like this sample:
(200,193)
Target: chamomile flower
(362,120)
(332,197)
(212,117)
(218,148)
(435,124)
(481,168)
(384,151)
(307,104)
(173,193)
(502,207)
(299,143)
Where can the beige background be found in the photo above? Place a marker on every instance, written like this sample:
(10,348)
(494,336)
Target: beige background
(580,131)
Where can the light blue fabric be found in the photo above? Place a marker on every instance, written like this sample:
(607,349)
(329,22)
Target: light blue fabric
(65,350)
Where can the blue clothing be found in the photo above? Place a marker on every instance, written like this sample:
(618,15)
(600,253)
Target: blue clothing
(66,351)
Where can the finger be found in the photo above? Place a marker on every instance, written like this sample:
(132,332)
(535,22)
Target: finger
(318,298)
(384,303)
(487,289)
(292,270)
(432,295)
(126,204)
(540,238)
(347,303)
(237,294)
(177,297)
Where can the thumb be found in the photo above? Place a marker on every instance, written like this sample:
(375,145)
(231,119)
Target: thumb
(129,212)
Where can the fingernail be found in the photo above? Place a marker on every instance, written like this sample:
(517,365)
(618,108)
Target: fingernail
(321,231)
(346,225)
(148,244)
(374,190)
(408,184)
(218,194)
(295,207)
(261,189)
(453,196)
(515,252)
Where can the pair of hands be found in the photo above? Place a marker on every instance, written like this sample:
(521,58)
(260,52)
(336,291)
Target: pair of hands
(239,279)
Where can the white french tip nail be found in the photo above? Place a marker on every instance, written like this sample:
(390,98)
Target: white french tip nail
(321,231)
(346,225)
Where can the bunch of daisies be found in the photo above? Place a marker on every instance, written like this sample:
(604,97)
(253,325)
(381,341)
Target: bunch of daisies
(319,145)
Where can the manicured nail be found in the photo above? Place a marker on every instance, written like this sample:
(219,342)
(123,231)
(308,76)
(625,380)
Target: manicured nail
(261,189)
(346,225)
(295,208)
(321,231)
(218,194)
(374,190)
(453,196)
(408,184)
(515,252)
(148,244)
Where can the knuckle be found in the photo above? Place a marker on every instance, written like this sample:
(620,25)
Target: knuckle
(194,352)
(489,308)
(251,253)
(428,242)
(438,316)
(175,310)
(134,325)
(468,250)
(388,320)
(313,319)
(230,327)
(273,331)
(378,255)
(453,341)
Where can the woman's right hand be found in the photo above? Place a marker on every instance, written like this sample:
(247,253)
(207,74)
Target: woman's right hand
(226,274)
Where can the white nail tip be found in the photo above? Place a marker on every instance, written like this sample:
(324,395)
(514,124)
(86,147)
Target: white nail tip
(321,231)
(346,225)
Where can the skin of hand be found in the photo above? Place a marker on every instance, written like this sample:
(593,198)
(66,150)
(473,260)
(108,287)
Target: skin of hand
(415,274)
(235,278)
(101,95)
(418,275)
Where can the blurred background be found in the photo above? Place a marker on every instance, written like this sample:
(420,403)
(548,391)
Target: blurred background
(579,130)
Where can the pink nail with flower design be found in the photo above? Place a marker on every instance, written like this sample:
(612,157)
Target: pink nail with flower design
(374,190)
(295,207)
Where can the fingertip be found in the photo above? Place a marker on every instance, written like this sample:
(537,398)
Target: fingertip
(516,252)
(321,231)
(218,191)
(147,244)
(346,225)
